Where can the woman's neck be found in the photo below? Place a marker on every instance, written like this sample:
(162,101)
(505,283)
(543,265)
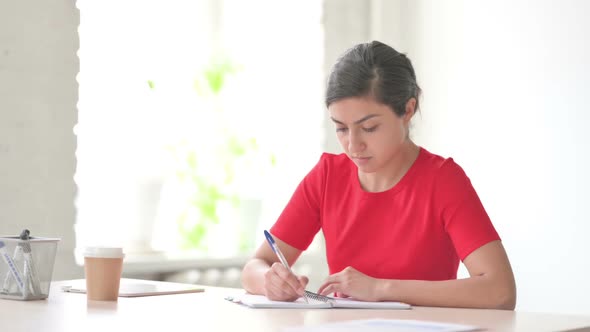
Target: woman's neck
(387,177)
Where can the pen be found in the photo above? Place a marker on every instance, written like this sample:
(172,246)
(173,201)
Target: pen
(279,254)
(12,268)
(30,271)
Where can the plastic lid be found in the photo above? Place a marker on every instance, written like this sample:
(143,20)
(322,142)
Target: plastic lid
(104,252)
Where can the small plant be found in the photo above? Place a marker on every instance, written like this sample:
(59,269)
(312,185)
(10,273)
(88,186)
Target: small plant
(208,169)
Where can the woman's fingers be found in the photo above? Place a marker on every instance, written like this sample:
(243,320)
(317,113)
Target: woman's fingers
(329,289)
(303,280)
(289,278)
(326,288)
(351,283)
(282,285)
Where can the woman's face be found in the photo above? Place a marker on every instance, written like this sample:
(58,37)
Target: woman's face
(370,133)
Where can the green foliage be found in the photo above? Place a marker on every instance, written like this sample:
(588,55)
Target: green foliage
(217,73)
(201,212)
(214,77)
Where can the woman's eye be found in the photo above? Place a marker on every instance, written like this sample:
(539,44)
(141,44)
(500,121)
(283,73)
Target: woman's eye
(371,129)
(341,129)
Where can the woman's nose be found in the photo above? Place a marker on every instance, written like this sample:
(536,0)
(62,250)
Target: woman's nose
(355,143)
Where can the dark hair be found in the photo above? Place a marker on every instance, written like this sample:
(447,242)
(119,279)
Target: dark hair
(374,70)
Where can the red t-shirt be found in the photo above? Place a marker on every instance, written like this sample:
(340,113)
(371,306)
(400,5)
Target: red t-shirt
(417,230)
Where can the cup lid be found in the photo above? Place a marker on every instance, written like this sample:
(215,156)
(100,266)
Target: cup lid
(104,252)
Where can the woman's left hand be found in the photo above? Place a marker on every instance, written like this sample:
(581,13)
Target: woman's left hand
(351,283)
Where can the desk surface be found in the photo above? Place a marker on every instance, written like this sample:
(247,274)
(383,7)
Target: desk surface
(208,311)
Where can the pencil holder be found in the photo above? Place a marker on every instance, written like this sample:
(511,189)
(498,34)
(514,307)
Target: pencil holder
(26,267)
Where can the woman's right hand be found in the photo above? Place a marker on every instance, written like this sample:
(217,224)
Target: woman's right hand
(282,285)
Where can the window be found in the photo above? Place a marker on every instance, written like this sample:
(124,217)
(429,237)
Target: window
(186,99)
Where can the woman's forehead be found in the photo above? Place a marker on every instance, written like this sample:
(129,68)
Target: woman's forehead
(354,109)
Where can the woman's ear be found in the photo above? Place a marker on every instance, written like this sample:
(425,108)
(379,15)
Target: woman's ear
(410,109)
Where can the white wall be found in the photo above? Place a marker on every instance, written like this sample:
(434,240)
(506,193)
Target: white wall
(507,95)
(346,22)
(38,94)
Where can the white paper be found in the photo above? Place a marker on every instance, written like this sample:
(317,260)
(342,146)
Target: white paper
(383,325)
(260,301)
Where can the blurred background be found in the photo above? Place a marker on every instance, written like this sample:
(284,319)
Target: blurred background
(179,129)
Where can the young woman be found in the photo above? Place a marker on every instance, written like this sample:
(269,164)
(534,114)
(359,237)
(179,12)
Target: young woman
(396,218)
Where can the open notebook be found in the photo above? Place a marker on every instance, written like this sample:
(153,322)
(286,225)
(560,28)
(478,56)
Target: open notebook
(260,301)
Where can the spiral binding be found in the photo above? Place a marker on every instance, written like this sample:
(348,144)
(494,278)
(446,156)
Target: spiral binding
(317,297)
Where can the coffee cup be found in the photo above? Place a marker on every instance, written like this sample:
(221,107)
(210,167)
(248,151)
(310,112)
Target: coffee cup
(102,268)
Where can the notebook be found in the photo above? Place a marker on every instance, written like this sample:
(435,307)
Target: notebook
(137,289)
(260,301)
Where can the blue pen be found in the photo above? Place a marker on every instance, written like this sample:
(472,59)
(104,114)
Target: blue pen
(279,254)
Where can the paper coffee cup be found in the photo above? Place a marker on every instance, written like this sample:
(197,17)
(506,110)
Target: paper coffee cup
(103,267)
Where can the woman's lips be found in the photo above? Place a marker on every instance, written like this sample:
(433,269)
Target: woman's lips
(361,160)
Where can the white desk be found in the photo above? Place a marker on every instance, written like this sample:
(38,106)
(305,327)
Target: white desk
(209,311)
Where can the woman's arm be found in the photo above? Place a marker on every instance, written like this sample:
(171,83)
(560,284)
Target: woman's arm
(490,285)
(265,275)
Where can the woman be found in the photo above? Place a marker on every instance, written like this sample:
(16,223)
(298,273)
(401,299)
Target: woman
(396,218)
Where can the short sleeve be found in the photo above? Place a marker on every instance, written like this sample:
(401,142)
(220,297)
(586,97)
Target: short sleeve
(461,211)
(300,220)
